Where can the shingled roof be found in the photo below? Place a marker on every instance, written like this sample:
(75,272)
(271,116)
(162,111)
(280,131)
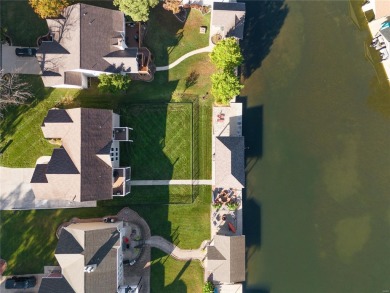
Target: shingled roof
(83,244)
(82,37)
(226,259)
(79,170)
(230,161)
(230,16)
(58,285)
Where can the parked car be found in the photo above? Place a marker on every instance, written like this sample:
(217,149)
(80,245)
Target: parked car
(20,282)
(25,52)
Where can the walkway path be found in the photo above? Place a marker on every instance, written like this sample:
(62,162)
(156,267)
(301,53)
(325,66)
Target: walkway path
(180,254)
(170,182)
(185,56)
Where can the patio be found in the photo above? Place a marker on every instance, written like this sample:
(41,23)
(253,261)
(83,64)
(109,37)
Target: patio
(225,221)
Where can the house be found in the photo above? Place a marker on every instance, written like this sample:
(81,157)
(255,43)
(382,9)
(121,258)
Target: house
(87,41)
(86,166)
(227,20)
(230,162)
(91,259)
(225,259)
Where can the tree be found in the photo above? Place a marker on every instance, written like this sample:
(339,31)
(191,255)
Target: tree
(138,10)
(226,54)
(48,8)
(208,287)
(225,86)
(113,83)
(172,5)
(13,91)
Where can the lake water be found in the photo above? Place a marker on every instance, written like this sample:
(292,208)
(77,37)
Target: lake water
(317,127)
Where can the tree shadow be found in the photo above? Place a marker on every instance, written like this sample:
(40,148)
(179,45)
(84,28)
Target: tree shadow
(263,21)
(164,33)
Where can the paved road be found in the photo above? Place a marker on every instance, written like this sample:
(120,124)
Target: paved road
(16,192)
(184,57)
(170,182)
(171,249)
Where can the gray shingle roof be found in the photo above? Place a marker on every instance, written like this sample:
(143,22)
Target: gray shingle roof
(96,133)
(101,242)
(57,285)
(229,6)
(81,38)
(230,16)
(57,116)
(99,250)
(230,161)
(230,268)
(67,244)
(61,163)
(39,175)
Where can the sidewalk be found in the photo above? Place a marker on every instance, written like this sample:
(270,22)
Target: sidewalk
(184,57)
(169,182)
(180,254)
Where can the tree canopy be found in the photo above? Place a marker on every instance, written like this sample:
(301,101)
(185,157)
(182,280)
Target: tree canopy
(113,83)
(226,54)
(172,5)
(225,86)
(13,91)
(138,10)
(48,8)
(208,287)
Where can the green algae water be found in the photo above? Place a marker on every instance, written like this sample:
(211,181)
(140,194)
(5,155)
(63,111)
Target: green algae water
(317,128)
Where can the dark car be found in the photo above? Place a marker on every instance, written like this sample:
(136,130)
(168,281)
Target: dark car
(20,282)
(25,52)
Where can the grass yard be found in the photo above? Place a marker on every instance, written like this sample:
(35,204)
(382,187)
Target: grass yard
(28,241)
(168,39)
(22,141)
(23,25)
(162,147)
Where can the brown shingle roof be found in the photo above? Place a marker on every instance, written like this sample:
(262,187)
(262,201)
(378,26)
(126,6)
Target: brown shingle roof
(88,135)
(101,242)
(99,29)
(73,78)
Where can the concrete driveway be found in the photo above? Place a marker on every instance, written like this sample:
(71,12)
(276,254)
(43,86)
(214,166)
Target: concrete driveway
(11,63)
(30,290)
(16,192)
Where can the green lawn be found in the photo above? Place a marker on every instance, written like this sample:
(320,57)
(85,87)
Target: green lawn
(23,25)
(22,141)
(168,39)
(162,147)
